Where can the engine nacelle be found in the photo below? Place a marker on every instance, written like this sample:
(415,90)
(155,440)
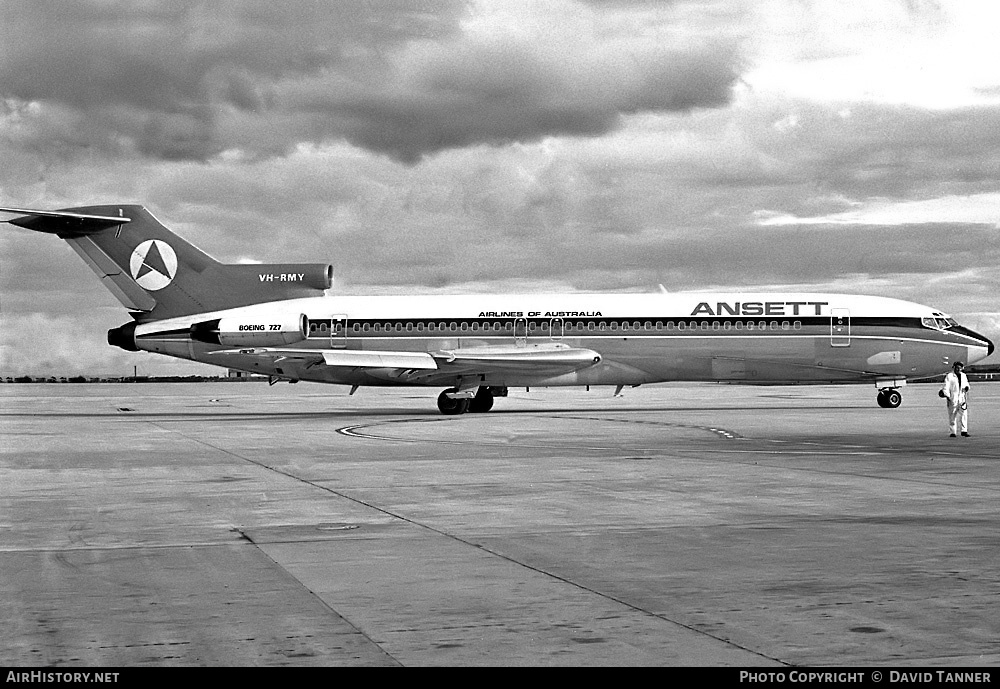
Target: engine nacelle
(252,331)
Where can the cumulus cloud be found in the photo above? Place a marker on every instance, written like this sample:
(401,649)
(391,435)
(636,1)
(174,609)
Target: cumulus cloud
(564,144)
(190,79)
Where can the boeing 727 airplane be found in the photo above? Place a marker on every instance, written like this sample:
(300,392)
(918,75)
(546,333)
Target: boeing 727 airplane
(278,320)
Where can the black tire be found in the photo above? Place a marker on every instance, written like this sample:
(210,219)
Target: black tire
(451,407)
(881,399)
(482,402)
(893,398)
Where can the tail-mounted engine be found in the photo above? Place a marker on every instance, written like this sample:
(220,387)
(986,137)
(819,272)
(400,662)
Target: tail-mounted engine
(251,331)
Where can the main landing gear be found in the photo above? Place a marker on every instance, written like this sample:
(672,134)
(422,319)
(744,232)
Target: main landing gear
(889,398)
(481,402)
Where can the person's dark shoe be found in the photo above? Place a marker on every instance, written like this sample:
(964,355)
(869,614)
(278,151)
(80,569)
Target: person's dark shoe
(965,435)
(952,436)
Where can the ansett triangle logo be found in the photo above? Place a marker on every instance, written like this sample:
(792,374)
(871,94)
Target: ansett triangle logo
(153,264)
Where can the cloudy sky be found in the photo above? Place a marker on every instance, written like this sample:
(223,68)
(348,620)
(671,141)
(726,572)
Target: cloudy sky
(448,146)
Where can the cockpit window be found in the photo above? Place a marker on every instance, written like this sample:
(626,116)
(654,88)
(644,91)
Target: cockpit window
(938,322)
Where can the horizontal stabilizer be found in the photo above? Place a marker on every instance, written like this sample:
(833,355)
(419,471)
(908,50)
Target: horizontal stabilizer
(63,223)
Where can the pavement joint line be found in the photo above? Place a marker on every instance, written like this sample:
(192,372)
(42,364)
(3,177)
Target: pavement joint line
(319,598)
(477,546)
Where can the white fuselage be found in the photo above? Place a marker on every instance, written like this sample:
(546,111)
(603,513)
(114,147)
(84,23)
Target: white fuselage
(640,338)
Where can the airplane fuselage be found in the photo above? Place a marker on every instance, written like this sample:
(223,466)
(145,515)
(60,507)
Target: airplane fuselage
(640,338)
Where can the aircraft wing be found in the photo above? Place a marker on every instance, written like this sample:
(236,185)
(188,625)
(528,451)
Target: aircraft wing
(348,358)
(549,358)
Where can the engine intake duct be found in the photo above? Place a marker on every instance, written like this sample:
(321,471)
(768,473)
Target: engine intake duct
(207,332)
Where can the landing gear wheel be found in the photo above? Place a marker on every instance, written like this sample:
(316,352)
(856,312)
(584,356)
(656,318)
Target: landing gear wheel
(482,402)
(451,407)
(889,398)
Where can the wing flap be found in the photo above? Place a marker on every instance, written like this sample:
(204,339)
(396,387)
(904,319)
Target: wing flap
(374,359)
(547,358)
(349,358)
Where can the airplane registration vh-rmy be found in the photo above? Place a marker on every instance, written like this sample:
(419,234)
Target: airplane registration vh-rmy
(278,320)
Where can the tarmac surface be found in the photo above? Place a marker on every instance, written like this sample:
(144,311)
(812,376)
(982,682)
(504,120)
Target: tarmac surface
(700,525)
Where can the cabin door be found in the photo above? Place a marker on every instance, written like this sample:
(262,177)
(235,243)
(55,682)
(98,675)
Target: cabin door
(840,328)
(338,331)
(520,331)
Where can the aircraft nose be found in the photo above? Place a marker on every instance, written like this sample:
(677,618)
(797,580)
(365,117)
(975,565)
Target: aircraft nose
(983,347)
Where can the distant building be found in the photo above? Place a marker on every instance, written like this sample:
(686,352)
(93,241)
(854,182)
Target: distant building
(233,373)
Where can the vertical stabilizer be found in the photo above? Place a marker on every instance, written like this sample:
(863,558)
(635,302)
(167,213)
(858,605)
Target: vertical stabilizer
(156,274)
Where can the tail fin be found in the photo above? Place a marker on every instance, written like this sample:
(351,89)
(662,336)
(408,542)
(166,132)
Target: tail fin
(156,274)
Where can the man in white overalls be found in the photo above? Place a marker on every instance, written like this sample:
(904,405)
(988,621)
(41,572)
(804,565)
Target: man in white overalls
(956,391)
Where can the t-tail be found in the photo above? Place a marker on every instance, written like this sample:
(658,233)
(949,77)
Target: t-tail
(156,274)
